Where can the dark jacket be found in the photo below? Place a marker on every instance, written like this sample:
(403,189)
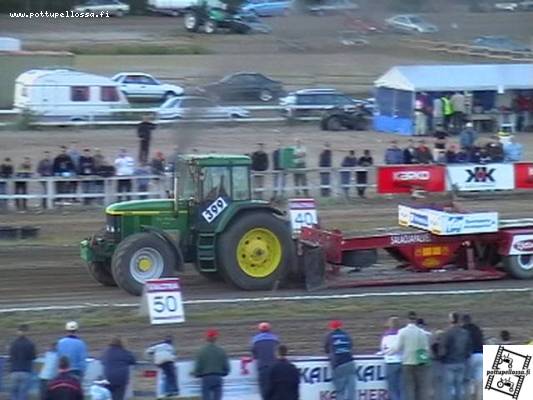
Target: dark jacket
(264,347)
(365,161)
(325,159)
(456,345)
(283,381)
(423,155)
(409,155)
(144,130)
(117,361)
(259,161)
(476,337)
(211,360)
(64,387)
(86,166)
(21,354)
(393,155)
(45,168)
(276,160)
(63,163)
(338,345)
(6,171)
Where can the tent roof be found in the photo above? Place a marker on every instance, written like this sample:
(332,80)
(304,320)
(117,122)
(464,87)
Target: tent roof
(469,77)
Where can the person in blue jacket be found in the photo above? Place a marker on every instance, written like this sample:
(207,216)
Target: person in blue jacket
(264,348)
(117,362)
(338,346)
(74,348)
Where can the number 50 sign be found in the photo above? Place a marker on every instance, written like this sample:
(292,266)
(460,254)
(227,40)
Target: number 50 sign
(163,299)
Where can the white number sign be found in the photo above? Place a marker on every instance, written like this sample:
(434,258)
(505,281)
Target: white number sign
(302,213)
(214,209)
(163,297)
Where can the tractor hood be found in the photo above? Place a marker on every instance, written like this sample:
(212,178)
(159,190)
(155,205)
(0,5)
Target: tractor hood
(141,207)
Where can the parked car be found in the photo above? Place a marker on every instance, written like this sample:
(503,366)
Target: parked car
(138,85)
(245,85)
(500,43)
(526,5)
(170,7)
(268,8)
(196,107)
(113,7)
(411,23)
(348,117)
(332,7)
(295,103)
(506,6)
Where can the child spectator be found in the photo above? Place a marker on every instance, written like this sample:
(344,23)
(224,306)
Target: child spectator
(512,150)
(164,356)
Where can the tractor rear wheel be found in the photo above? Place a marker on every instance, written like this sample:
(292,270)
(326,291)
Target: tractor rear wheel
(255,251)
(519,266)
(101,273)
(191,21)
(140,257)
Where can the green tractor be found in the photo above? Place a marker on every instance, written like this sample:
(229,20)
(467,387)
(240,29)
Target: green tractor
(212,222)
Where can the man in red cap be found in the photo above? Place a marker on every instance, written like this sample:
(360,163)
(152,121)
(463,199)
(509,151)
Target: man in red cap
(264,347)
(211,365)
(338,345)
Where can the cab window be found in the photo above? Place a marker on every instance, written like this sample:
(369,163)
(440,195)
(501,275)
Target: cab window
(241,183)
(186,182)
(216,183)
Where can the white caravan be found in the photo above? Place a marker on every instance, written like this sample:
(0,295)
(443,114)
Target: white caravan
(67,94)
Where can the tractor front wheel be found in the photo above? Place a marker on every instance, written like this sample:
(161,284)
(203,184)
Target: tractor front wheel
(101,273)
(140,257)
(255,251)
(519,266)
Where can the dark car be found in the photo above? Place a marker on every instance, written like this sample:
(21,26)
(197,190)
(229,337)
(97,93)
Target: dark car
(350,117)
(307,102)
(245,85)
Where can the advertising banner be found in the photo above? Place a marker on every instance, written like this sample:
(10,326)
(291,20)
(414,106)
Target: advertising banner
(523,175)
(406,178)
(474,177)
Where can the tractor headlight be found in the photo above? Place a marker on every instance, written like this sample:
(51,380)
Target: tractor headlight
(112,224)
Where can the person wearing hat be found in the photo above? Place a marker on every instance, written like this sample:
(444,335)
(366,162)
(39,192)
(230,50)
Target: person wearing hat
(64,386)
(264,346)
(21,355)
(339,346)
(211,364)
(74,349)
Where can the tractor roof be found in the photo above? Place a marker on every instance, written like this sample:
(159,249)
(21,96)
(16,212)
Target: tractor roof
(217,159)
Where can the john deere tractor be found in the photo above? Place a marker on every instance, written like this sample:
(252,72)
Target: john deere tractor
(211,221)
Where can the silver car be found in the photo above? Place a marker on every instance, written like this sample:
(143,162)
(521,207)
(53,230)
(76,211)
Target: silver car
(195,107)
(113,7)
(411,23)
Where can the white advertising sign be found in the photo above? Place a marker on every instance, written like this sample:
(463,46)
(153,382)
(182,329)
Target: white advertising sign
(164,302)
(302,213)
(522,244)
(474,177)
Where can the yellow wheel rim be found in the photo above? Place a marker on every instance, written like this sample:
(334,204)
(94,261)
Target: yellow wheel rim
(259,253)
(145,264)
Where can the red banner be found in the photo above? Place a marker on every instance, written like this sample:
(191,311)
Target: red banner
(523,175)
(406,178)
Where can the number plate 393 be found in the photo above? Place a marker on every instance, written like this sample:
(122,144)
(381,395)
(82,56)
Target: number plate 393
(214,209)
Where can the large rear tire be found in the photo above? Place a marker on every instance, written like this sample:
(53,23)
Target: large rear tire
(101,273)
(255,251)
(140,257)
(519,266)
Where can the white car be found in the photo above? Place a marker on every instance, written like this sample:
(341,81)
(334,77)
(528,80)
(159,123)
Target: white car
(195,107)
(138,85)
(411,23)
(506,6)
(113,7)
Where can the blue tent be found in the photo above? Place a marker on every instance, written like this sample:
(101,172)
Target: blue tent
(397,88)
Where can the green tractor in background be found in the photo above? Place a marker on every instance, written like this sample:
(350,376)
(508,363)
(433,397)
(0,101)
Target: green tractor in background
(212,222)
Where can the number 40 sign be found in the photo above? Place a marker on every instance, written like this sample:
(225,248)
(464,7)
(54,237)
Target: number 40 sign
(302,213)
(162,297)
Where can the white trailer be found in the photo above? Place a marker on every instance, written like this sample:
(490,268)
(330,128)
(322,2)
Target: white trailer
(170,7)
(67,94)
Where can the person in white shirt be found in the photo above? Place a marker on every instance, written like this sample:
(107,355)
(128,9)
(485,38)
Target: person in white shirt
(124,166)
(458,101)
(393,361)
(300,177)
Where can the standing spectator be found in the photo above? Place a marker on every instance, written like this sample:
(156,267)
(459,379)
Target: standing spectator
(125,168)
(325,176)
(259,166)
(6,172)
(86,168)
(284,378)
(361,176)
(350,161)
(45,169)
(300,176)
(474,377)
(63,167)
(413,344)
(264,346)
(462,157)
(103,169)
(512,150)
(468,136)
(393,154)
(441,138)
(164,356)
(451,155)
(65,386)
(495,150)
(144,132)
(49,368)
(143,183)
(211,365)
(278,172)
(423,153)
(455,351)
(99,159)
(447,111)
(393,360)
(23,171)
(74,155)
(339,346)
(437,369)
(117,361)
(438,116)
(74,348)
(420,119)
(21,356)
(409,153)
(484,156)
(158,163)
(458,102)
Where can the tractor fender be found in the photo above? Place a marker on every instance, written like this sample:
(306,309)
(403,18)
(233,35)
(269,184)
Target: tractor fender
(173,243)
(240,209)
